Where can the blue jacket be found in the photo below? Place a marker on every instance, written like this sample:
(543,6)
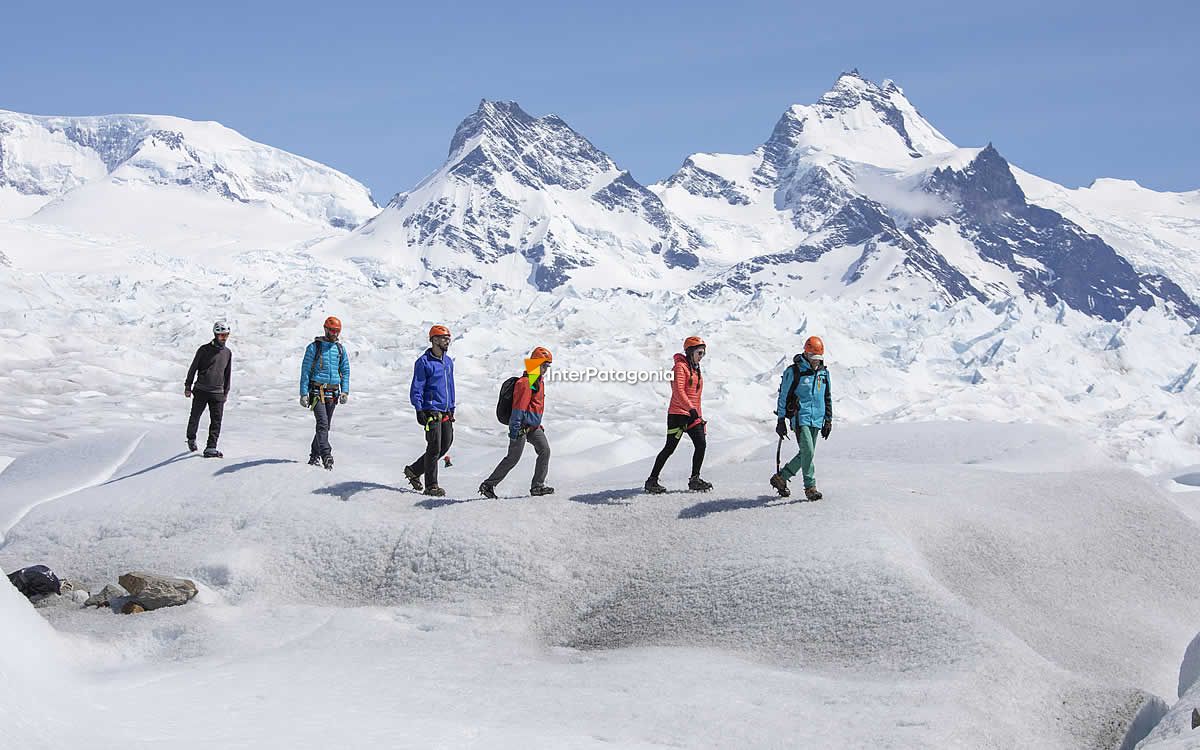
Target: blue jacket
(812,395)
(432,383)
(333,366)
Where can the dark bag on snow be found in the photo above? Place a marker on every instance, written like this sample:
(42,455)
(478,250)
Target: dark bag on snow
(35,580)
(504,403)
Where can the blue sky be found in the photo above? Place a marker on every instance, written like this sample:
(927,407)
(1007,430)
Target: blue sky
(1068,90)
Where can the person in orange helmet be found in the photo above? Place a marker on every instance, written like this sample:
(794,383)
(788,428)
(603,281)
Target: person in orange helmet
(525,426)
(684,416)
(324,384)
(432,396)
(805,401)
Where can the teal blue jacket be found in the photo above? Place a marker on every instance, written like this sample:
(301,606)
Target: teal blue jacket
(332,366)
(812,394)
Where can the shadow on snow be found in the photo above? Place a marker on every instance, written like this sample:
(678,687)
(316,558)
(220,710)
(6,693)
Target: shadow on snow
(347,490)
(251,464)
(608,497)
(700,510)
(159,465)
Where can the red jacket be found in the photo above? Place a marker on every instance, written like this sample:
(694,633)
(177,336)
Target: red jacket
(686,388)
(529,403)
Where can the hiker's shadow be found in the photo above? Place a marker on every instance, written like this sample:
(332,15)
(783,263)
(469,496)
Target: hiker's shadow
(700,510)
(171,460)
(607,497)
(346,490)
(251,464)
(441,502)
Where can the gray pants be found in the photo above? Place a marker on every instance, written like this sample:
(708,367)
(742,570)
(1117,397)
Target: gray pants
(536,438)
(323,411)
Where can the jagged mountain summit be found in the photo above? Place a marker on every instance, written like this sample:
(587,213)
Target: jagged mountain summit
(75,171)
(524,200)
(859,193)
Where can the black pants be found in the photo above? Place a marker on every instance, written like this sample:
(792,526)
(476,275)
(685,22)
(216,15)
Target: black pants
(323,411)
(438,437)
(676,427)
(215,403)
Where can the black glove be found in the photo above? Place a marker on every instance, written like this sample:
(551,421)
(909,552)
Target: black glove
(693,415)
(343,398)
(826,429)
(451,415)
(422,417)
(305,402)
(781,427)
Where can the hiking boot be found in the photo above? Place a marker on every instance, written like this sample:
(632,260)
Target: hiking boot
(540,490)
(413,478)
(192,446)
(698,484)
(327,462)
(434,491)
(653,487)
(780,485)
(314,460)
(812,493)
(487,491)
(213,453)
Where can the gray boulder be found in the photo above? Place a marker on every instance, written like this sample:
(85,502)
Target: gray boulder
(106,596)
(155,592)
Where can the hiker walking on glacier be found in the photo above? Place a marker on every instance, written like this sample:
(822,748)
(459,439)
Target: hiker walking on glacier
(805,401)
(525,409)
(432,395)
(684,416)
(207,385)
(324,385)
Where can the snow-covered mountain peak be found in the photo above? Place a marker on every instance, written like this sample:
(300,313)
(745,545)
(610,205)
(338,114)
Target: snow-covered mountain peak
(535,151)
(860,121)
(62,165)
(524,200)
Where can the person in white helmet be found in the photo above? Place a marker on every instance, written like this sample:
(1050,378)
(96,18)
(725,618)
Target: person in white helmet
(207,385)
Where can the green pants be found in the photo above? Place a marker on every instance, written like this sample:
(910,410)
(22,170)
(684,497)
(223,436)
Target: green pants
(803,462)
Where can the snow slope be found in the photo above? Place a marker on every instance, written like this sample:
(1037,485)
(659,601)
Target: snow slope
(153,176)
(920,594)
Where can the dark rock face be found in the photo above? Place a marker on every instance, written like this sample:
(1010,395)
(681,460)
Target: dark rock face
(1080,268)
(707,184)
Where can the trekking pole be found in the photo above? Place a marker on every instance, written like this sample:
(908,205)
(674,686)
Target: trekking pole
(778,448)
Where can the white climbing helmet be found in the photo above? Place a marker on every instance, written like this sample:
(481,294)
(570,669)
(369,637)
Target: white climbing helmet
(220,327)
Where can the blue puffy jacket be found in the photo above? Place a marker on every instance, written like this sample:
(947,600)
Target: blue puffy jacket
(432,383)
(332,368)
(812,395)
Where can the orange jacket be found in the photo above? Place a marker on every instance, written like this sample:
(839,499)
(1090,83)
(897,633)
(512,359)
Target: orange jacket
(686,388)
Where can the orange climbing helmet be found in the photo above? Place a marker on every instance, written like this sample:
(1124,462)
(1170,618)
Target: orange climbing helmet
(542,352)
(814,346)
(333,324)
(439,331)
(693,341)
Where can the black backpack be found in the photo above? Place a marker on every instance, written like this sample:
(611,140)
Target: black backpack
(792,404)
(35,581)
(505,402)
